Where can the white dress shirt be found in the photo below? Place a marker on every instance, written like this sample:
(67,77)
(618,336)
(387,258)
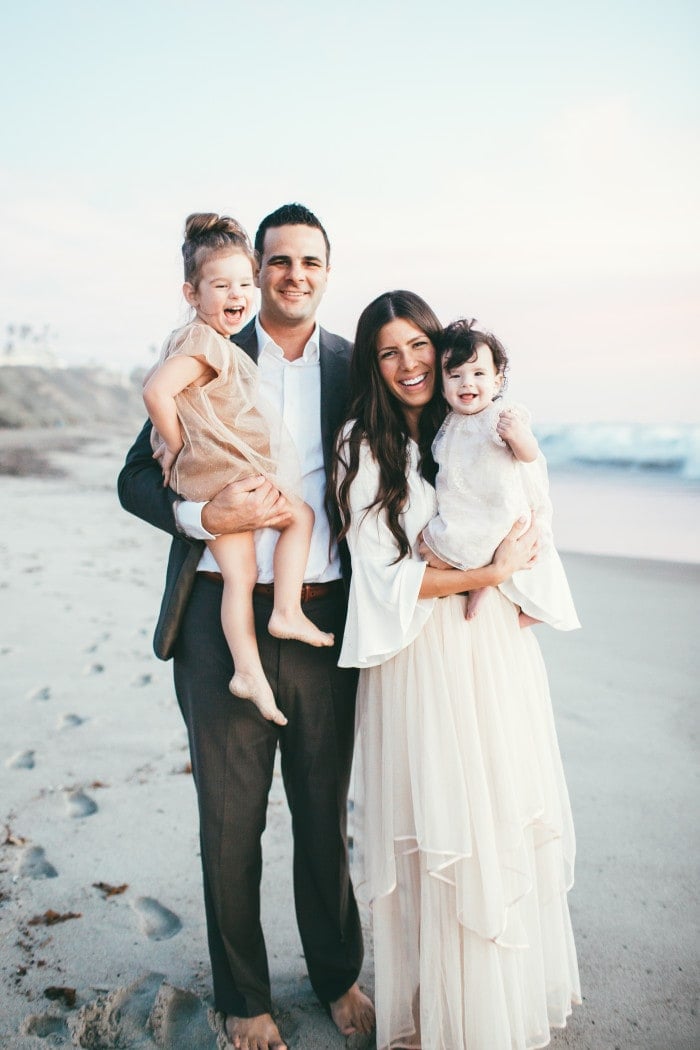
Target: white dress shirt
(294,388)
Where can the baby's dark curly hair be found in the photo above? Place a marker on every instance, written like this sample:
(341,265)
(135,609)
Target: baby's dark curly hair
(460,341)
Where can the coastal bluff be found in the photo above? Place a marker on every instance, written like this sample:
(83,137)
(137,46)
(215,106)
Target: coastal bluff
(33,396)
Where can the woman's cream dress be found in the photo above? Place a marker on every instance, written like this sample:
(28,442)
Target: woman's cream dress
(465,841)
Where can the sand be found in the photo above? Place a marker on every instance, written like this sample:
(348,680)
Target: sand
(101,916)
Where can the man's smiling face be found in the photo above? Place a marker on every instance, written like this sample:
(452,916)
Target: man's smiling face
(293,275)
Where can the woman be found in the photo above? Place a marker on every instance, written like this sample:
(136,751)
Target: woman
(465,826)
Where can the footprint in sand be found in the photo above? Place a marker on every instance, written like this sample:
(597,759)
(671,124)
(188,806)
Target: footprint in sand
(33,863)
(94,646)
(119,1018)
(69,721)
(150,1012)
(156,921)
(42,692)
(45,1025)
(179,1018)
(78,804)
(93,669)
(21,760)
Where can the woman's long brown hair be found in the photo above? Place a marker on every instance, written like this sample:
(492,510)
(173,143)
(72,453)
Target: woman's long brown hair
(377,417)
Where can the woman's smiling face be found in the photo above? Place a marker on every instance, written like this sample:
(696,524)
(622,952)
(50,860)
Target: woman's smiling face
(406,360)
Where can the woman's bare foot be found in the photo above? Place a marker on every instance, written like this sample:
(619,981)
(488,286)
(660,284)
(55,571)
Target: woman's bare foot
(254,1033)
(253,687)
(298,627)
(353,1012)
(526,621)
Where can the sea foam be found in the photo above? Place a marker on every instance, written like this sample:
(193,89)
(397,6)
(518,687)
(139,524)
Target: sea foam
(662,448)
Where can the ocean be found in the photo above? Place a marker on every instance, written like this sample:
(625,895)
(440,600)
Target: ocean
(625,489)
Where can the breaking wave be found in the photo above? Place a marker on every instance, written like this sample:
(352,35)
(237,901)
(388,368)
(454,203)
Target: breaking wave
(662,448)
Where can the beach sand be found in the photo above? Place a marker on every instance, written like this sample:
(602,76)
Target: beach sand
(101,915)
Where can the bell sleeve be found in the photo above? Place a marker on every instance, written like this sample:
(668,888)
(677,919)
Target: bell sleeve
(385,613)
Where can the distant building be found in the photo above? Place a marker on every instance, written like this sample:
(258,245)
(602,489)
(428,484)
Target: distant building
(26,345)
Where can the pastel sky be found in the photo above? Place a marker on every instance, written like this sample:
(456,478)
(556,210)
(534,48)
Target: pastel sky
(535,165)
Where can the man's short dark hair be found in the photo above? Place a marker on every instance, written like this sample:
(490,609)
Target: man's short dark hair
(289,215)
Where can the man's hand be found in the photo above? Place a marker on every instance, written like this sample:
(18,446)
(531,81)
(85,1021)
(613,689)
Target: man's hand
(245,505)
(518,550)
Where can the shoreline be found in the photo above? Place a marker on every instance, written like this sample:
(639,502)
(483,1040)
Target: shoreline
(636,515)
(94,773)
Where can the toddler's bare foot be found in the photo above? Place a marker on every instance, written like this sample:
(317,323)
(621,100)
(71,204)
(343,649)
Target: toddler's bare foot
(252,687)
(474,600)
(353,1012)
(298,627)
(526,621)
(254,1033)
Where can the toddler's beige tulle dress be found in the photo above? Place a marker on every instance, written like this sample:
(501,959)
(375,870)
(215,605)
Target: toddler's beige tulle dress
(229,430)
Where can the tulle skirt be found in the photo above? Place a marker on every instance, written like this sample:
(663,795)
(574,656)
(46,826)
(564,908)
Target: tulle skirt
(464,839)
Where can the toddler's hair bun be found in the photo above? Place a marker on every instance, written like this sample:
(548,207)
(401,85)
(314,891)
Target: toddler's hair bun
(207,234)
(206,224)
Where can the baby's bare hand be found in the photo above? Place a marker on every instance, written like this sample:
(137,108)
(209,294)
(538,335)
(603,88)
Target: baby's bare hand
(508,423)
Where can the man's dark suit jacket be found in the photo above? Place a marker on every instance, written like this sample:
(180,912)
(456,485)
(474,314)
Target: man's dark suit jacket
(141,491)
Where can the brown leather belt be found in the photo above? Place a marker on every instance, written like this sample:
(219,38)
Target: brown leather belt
(310,592)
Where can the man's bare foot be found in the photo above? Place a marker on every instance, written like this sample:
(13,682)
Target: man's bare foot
(254,1033)
(257,689)
(526,621)
(353,1012)
(298,627)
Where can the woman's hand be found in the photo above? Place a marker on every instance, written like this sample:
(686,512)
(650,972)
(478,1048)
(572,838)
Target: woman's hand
(432,559)
(518,550)
(428,556)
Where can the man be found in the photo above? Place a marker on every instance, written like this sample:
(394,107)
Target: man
(303,370)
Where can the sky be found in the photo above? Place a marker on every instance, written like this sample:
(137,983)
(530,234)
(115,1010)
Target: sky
(535,165)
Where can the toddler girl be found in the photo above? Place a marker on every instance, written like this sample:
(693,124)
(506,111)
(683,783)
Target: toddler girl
(211,427)
(491,471)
